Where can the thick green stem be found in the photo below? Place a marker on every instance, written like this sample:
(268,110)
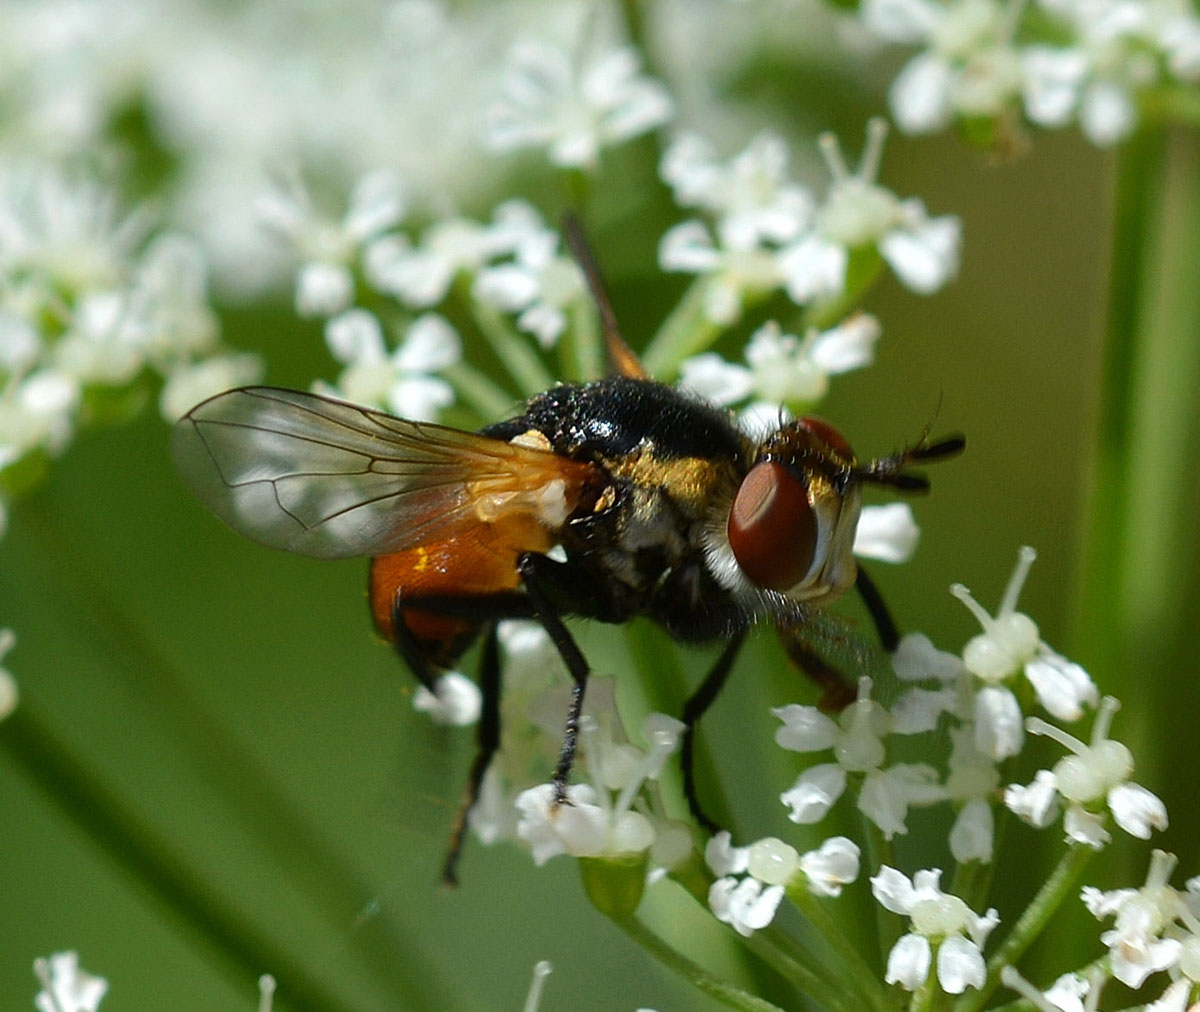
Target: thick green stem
(730,996)
(1031,923)
(1134,599)
(855,970)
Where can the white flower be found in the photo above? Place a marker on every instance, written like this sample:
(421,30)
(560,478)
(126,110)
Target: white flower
(1091,778)
(399,381)
(856,739)
(751,197)
(731,272)
(601,820)
(329,249)
(857,213)
(781,368)
(537,283)
(1010,646)
(456,702)
(936,918)
(744,904)
(1136,944)
(548,99)
(66,987)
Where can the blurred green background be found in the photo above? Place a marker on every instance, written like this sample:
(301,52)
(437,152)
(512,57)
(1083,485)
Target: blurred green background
(230,710)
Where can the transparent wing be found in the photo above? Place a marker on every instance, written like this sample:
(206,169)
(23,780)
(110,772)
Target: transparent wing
(328,479)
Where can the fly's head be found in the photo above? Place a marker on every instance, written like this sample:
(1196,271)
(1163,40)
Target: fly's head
(788,529)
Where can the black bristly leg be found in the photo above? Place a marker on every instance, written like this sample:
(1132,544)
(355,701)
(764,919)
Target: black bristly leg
(695,708)
(885,625)
(536,576)
(488,739)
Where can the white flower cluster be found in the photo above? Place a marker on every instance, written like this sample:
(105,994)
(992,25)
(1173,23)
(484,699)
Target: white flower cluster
(751,881)
(971,696)
(772,234)
(1057,61)
(550,99)
(510,265)
(89,309)
(614,811)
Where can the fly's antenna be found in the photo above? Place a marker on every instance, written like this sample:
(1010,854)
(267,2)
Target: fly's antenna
(893,471)
(621,358)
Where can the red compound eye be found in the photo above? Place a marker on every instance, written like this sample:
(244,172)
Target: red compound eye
(772,529)
(830,436)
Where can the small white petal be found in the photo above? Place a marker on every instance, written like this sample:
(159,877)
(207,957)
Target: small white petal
(355,338)
(1082,826)
(894,890)
(1107,114)
(850,345)
(744,905)
(999,727)
(917,659)
(834,865)
(1137,810)
(1062,687)
(1053,78)
(457,702)
(814,793)
(924,257)
(973,832)
(723,858)
(888,533)
(714,379)
(959,965)
(908,962)
(813,268)
(920,95)
(1037,803)
(805,728)
(323,289)
(688,247)
(430,344)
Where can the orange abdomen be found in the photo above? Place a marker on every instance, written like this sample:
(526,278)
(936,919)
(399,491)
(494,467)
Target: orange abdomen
(475,563)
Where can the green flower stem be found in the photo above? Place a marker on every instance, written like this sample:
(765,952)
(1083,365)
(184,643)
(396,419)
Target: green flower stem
(478,391)
(686,331)
(855,970)
(805,969)
(581,345)
(862,272)
(890,926)
(515,350)
(833,994)
(1030,924)
(730,996)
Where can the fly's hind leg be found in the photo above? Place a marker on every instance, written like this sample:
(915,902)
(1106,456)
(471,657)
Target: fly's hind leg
(487,731)
(541,576)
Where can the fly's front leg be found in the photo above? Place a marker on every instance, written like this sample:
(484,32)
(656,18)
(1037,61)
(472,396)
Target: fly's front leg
(695,708)
(885,625)
(540,576)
